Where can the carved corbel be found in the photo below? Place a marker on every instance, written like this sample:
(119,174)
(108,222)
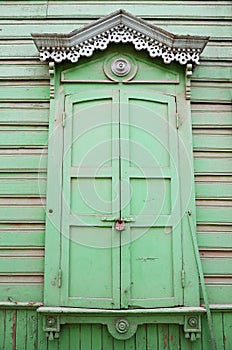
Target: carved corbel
(51,325)
(52,79)
(192,327)
(188,74)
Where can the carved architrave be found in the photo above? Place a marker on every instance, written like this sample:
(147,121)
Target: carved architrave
(120,27)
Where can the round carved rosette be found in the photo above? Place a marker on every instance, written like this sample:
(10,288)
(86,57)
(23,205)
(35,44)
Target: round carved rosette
(120,67)
(122,326)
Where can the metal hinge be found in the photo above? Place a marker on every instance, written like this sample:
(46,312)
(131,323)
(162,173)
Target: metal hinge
(177,120)
(59,278)
(63,118)
(182,278)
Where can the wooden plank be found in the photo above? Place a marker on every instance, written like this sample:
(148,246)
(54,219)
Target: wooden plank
(152,337)
(64,341)
(217,115)
(217,31)
(215,214)
(2,328)
(9,30)
(219,294)
(67,9)
(10,329)
(212,139)
(213,189)
(32,329)
(214,240)
(130,344)
(19,49)
(27,93)
(174,340)
(29,9)
(21,330)
(75,337)
(214,227)
(227,321)
(212,162)
(218,330)
(119,344)
(209,73)
(28,136)
(22,214)
(107,339)
(217,266)
(22,184)
(163,337)
(13,279)
(21,235)
(24,71)
(19,239)
(20,264)
(140,338)
(202,91)
(24,293)
(42,339)
(96,337)
(30,113)
(23,159)
(217,51)
(85,335)
(205,335)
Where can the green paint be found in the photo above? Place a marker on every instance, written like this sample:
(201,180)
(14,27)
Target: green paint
(24,104)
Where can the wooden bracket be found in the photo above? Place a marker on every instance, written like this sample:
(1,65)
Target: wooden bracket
(51,325)
(188,74)
(122,324)
(192,327)
(52,79)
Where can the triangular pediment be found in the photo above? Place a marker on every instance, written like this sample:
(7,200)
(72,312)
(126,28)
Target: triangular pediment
(119,27)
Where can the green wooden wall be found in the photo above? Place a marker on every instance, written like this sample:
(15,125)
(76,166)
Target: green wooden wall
(22,330)
(24,110)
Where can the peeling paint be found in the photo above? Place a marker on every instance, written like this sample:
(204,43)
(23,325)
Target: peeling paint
(165,338)
(13,329)
(147,259)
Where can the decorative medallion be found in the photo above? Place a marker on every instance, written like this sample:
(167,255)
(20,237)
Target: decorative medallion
(120,27)
(120,67)
(122,326)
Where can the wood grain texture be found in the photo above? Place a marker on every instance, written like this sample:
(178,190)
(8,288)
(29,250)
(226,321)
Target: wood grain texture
(24,118)
(23,329)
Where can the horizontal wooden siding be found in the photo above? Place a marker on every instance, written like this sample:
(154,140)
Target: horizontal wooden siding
(24,110)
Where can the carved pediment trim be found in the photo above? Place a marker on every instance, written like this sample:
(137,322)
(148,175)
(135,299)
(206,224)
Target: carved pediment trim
(120,27)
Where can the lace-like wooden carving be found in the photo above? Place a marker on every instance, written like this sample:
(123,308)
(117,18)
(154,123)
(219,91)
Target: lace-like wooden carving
(120,34)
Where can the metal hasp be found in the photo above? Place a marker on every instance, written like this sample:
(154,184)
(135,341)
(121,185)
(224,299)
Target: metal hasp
(119,224)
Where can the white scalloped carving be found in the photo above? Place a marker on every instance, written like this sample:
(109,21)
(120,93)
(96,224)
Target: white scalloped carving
(120,34)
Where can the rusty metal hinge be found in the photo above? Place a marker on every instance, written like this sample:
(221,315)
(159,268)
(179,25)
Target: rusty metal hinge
(59,278)
(182,278)
(177,120)
(63,118)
